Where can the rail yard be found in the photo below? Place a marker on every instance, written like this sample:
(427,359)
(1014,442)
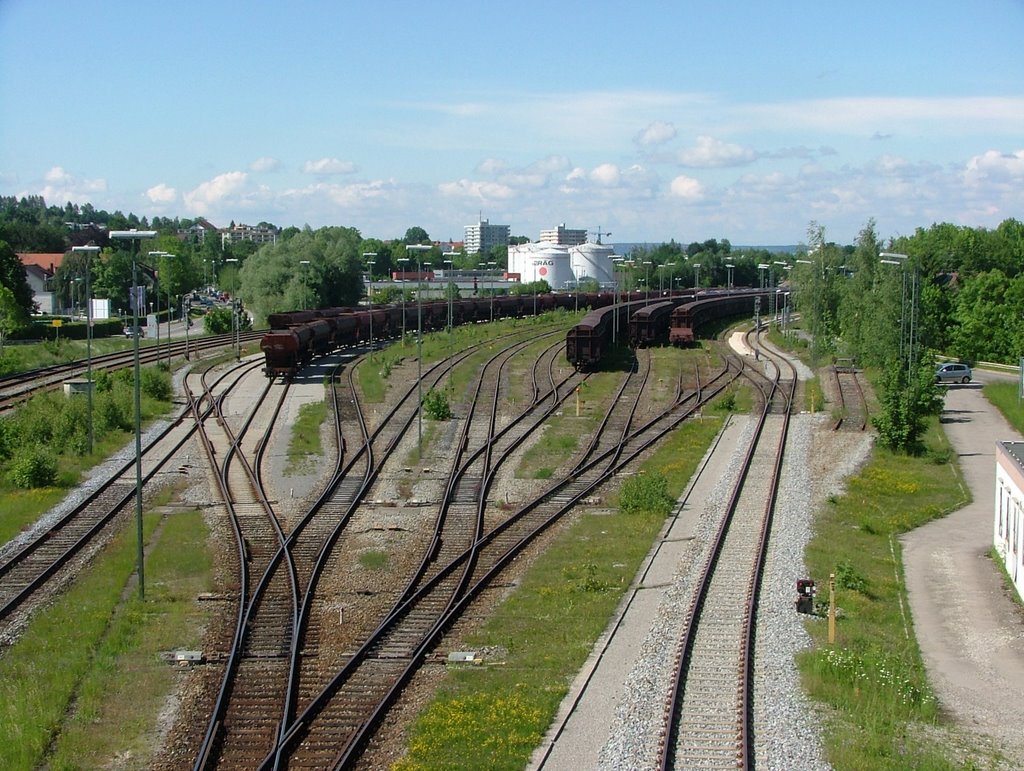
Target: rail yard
(310,656)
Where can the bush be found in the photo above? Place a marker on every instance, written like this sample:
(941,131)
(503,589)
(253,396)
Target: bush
(647,492)
(113,411)
(33,468)
(156,384)
(435,404)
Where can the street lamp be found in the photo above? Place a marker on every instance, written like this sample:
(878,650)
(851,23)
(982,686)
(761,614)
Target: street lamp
(88,251)
(647,281)
(894,258)
(491,266)
(418,249)
(696,277)
(305,286)
(135,236)
(234,315)
(450,291)
(155,257)
(729,266)
(761,268)
(775,296)
(186,315)
(401,264)
(369,289)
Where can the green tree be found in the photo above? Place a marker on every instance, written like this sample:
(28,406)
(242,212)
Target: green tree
(12,315)
(907,398)
(315,269)
(13,276)
(416,235)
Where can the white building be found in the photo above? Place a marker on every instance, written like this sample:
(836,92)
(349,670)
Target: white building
(541,262)
(482,236)
(1008,524)
(593,262)
(563,236)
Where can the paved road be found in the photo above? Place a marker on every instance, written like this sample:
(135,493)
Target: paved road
(970,631)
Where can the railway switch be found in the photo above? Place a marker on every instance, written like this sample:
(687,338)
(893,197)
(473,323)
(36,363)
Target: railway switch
(805,592)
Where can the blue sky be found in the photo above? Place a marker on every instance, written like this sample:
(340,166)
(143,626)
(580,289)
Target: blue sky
(685,120)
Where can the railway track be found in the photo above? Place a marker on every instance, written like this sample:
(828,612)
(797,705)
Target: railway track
(390,657)
(853,411)
(316,541)
(19,387)
(709,713)
(41,562)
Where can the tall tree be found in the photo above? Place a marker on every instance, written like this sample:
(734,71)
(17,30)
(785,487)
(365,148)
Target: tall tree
(14,277)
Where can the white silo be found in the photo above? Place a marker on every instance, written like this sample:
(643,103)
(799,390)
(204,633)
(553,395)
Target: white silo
(541,262)
(591,261)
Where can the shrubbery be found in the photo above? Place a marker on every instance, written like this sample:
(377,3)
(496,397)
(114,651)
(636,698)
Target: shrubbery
(51,425)
(647,492)
(33,468)
(435,404)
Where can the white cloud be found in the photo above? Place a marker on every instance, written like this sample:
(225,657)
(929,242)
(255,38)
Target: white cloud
(60,186)
(687,188)
(215,192)
(879,117)
(264,164)
(162,194)
(491,166)
(477,191)
(606,174)
(326,166)
(656,133)
(709,152)
(994,167)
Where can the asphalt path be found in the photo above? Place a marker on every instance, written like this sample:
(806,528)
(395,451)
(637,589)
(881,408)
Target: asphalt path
(969,629)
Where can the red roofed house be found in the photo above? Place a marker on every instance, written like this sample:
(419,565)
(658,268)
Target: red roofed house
(39,270)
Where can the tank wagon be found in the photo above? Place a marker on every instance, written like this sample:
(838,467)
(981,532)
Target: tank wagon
(687,320)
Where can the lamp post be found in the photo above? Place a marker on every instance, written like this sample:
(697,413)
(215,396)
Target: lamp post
(135,236)
(893,258)
(234,314)
(88,251)
(775,295)
(696,277)
(401,264)
(155,257)
(647,282)
(305,286)
(170,313)
(186,315)
(729,266)
(490,267)
(369,289)
(450,291)
(418,249)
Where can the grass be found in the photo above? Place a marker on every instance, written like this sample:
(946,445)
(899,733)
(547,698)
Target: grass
(85,682)
(20,508)
(494,716)
(872,680)
(1005,397)
(304,445)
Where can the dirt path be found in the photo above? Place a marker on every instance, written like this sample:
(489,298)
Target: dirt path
(970,631)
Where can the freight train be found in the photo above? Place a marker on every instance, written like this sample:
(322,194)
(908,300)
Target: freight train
(679,318)
(296,337)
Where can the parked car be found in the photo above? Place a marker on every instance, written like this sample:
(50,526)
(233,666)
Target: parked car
(952,373)
(129,330)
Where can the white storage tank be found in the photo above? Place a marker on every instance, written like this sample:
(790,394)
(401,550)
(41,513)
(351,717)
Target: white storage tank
(591,261)
(541,262)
